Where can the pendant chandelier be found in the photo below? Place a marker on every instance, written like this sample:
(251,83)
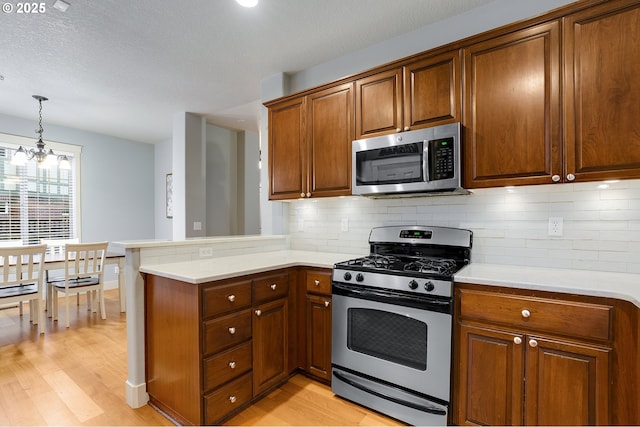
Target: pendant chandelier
(44,158)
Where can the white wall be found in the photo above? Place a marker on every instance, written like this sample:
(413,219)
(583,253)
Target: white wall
(117,180)
(221,182)
(601,226)
(163,166)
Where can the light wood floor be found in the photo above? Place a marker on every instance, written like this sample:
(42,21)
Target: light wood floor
(76,376)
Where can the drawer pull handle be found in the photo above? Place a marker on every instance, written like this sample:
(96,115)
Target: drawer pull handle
(232,399)
(231,298)
(316,282)
(258,313)
(232,331)
(517,340)
(526,313)
(232,364)
(533,343)
(326,303)
(273,286)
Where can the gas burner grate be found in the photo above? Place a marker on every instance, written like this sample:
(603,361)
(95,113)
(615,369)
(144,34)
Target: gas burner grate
(375,261)
(442,266)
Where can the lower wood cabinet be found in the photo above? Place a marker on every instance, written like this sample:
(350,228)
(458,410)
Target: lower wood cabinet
(535,358)
(318,323)
(212,348)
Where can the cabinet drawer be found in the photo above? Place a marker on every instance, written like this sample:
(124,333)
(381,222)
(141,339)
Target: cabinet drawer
(226,366)
(569,318)
(271,287)
(319,282)
(227,331)
(222,299)
(227,398)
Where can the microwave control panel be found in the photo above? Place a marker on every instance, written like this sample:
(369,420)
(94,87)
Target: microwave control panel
(441,159)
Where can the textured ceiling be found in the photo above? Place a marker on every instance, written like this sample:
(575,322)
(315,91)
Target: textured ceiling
(124,67)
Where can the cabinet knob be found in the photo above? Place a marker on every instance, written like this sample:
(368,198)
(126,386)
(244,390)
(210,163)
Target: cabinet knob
(316,282)
(232,331)
(406,128)
(273,286)
(232,364)
(526,313)
(517,340)
(232,399)
(308,194)
(398,129)
(533,343)
(301,194)
(555,178)
(231,298)
(326,303)
(571,177)
(258,313)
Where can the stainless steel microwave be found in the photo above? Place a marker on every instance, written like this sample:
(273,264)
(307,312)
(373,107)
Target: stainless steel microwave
(419,161)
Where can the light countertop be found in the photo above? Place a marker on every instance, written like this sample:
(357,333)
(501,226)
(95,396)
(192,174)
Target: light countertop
(622,286)
(154,243)
(206,270)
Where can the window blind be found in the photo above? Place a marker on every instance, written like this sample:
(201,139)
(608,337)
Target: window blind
(36,203)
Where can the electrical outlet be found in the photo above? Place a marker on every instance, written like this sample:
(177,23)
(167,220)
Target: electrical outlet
(116,270)
(206,252)
(197,226)
(555,226)
(300,224)
(344,224)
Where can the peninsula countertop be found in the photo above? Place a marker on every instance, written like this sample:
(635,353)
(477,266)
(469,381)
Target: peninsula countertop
(624,286)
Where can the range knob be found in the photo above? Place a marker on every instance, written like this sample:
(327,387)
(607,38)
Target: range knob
(359,277)
(347,276)
(429,286)
(413,284)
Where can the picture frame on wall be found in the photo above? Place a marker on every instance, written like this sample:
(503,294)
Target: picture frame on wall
(169,185)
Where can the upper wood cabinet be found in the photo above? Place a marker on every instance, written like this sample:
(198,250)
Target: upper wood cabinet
(432,91)
(512,109)
(379,104)
(421,93)
(287,149)
(310,144)
(602,91)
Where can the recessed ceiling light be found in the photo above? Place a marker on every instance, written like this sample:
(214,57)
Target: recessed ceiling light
(1,77)
(61,5)
(247,3)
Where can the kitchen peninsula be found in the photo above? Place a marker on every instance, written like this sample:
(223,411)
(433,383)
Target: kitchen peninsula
(266,260)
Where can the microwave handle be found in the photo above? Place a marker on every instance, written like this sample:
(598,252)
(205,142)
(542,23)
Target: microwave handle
(425,161)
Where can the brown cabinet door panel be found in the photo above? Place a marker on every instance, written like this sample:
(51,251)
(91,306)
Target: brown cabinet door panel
(226,298)
(566,384)
(512,109)
(379,104)
(330,132)
(227,365)
(227,399)
(287,149)
(318,282)
(432,91)
(319,336)
(490,377)
(602,89)
(270,287)
(270,345)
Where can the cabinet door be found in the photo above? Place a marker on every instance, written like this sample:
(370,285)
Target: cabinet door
(601,92)
(287,150)
(566,384)
(270,351)
(512,109)
(432,91)
(379,104)
(319,336)
(490,378)
(330,132)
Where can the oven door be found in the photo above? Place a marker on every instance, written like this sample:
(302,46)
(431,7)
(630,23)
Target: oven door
(393,341)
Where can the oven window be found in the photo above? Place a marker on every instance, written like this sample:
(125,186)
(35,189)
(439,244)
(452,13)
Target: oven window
(396,164)
(388,336)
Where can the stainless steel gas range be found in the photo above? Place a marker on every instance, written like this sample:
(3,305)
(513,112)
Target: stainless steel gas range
(392,322)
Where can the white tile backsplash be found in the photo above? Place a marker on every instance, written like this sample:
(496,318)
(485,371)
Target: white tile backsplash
(601,227)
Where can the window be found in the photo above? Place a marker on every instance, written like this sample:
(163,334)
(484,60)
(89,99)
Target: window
(37,203)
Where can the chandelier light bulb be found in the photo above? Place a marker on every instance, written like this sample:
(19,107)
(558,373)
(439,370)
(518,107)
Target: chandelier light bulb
(247,3)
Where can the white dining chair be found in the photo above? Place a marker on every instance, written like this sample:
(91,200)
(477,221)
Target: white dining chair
(83,272)
(21,279)
(55,248)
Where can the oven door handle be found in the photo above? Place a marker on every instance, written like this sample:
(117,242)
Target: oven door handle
(423,408)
